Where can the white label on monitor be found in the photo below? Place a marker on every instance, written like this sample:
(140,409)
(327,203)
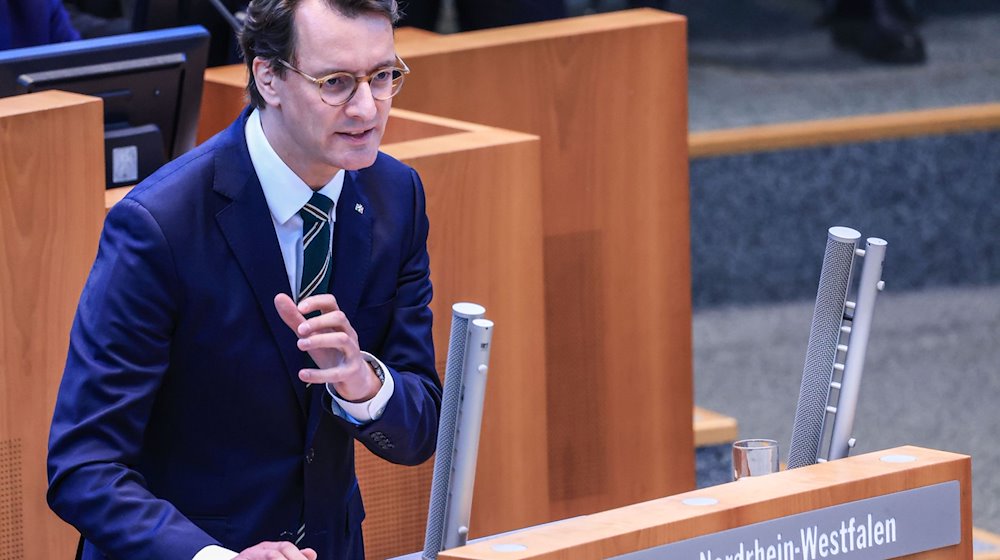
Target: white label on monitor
(124,164)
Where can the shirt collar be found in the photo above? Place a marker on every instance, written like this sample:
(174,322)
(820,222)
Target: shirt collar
(284,191)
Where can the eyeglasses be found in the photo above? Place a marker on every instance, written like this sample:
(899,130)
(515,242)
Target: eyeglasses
(339,88)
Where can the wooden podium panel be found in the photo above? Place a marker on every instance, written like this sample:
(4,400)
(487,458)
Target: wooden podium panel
(223,97)
(483,193)
(739,504)
(607,95)
(51,188)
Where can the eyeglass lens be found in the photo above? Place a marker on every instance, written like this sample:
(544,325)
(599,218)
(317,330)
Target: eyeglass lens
(338,88)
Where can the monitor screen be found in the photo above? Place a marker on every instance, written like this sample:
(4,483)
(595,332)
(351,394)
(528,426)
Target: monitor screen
(151,84)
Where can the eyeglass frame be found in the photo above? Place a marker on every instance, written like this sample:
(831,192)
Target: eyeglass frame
(357,79)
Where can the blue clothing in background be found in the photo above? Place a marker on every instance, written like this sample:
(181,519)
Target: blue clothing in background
(26,23)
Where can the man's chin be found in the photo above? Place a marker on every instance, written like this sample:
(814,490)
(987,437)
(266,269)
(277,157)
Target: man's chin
(353,158)
(354,163)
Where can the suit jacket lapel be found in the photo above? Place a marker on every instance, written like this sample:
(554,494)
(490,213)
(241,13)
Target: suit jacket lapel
(352,244)
(246,224)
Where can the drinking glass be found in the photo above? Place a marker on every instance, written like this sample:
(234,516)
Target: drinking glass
(754,457)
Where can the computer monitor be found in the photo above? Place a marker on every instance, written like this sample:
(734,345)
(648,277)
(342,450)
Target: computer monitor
(151,84)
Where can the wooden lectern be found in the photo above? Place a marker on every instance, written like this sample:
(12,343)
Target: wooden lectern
(607,96)
(906,502)
(482,186)
(51,189)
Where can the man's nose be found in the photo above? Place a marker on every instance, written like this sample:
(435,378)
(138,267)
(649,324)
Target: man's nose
(362,105)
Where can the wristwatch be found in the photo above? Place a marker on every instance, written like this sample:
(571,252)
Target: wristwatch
(377,369)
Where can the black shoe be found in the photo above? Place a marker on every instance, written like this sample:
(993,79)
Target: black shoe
(896,44)
(885,33)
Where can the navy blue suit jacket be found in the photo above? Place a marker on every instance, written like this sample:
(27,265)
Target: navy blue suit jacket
(181,421)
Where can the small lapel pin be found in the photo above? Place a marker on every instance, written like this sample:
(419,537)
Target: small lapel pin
(359,208)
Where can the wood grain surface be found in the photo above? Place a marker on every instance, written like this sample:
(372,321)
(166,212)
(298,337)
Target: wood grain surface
(51,188)
(748,501)
(607,96)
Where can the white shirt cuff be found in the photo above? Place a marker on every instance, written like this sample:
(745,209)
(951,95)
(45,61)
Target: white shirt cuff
(372,409)
(215,552)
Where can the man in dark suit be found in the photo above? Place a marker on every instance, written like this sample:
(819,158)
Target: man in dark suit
(203,410)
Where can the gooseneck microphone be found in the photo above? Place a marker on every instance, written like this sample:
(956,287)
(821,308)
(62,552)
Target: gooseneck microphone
(235,22)
(454,477)
(838,339)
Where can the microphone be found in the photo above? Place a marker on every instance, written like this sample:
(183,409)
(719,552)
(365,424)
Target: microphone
(234,21)
(450,505)
(836,333)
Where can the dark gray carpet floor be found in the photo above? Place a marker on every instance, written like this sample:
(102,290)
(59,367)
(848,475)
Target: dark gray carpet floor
(800,75)
(766,61)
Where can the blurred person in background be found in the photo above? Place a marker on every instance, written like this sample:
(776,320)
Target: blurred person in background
(27,23)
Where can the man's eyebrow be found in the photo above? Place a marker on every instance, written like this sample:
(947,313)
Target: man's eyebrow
(383,64)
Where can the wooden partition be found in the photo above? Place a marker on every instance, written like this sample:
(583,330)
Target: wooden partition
(51,184)
(485,246)
(607,95)
(843,130)
(755,501)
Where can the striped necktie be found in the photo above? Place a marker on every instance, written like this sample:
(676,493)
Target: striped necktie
(316,264)
(315,246)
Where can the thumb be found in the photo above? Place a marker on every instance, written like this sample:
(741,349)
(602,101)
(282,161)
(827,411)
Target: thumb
(288,311)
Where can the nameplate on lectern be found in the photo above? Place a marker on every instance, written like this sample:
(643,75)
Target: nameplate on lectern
(885,526)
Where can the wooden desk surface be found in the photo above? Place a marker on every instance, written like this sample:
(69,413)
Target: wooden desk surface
(753,500)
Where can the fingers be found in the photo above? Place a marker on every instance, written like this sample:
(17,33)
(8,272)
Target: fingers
(276,551)
(335,340)
(330,316)
(329,338)
(336,375)
(324,303)
(294,316)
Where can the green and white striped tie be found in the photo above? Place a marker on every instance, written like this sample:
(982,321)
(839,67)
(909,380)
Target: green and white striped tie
(315,246)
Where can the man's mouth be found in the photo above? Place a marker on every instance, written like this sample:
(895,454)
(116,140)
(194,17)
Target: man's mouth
(359,135)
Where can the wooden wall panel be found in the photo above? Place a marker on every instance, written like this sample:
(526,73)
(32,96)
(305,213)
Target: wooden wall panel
(223,97)
(483,202)
(607,95)
(51,188)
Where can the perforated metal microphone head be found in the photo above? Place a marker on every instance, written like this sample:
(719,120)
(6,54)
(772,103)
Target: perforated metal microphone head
(821,353)
(462,314)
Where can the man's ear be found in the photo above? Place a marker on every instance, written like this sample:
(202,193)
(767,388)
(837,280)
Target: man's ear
(266,81)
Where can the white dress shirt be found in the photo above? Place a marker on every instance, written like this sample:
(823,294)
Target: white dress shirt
(286,193)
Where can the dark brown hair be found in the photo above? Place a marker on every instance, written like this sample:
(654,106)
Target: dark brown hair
(268,32)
